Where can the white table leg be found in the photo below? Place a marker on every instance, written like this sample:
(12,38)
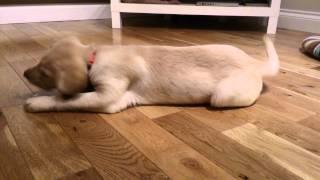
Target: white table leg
(116,19)
(273,19)
(272,25)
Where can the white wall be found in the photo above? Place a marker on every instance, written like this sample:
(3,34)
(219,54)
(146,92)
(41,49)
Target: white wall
(55,12)
(301,15)
(305,5)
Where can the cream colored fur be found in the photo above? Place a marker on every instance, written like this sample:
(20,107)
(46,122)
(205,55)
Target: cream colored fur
(125,76)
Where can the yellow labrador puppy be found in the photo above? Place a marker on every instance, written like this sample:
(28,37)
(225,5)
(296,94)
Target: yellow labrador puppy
(125,76)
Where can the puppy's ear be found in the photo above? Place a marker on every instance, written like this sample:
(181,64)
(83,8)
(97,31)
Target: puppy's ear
(72,82)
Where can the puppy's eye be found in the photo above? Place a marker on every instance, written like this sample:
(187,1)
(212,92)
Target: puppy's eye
(44,73)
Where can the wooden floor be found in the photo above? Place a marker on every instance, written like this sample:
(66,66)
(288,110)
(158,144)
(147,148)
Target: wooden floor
(277,138)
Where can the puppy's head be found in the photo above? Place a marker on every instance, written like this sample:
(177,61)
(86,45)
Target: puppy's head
(63,68)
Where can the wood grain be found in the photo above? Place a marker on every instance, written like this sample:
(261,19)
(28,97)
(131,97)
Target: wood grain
(45,30)
(301,84)
(285,95)
(220,120)
(277,138)
(23,41)
(10,51)
(264,118)
(284,108)
(312,122)
(46,36)
(27,29)
(284,128)
(237,160)
(88,174)
(3,62)
(13,91)
(49,152)
(175,158)
(300,70)
(294,158)
(15,167)
(20,67)
(157,111)
(112,155)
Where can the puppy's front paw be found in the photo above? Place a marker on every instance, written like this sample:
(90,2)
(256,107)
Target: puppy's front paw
(39,104)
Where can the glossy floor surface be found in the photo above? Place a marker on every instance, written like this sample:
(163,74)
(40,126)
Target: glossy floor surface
(277,138)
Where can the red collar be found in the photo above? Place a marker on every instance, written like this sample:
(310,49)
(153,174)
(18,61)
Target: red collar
(92,57)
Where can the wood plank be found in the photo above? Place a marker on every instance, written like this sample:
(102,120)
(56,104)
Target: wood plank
(3,62)
(237,160)
(295,57)
(220,120)
(312,122)
(45,30)
(49,152)
(300,70)
(287,54)
(193,37)
(12,164)
(46,36)
(27,29)
(289,111)
(49,33)
(104,36)
(23,41)
(264,118)
(88,174)
(20,67)
(301,84)
(285,38)
(43,39)
(153,112)
(279,105)
(9,50)
(158,36)
(254,48)
(111,154)
(285,95)
(67,27)
(294,158)
(251,43)
(286,46)
(175,158)
(13,91)
(54,34)
(286,129)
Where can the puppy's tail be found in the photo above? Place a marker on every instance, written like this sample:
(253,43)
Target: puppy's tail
(271,66)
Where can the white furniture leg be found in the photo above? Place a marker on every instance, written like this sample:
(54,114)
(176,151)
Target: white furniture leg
(271,12)
(116,19)
(274,16)
(272,25)
(115,14)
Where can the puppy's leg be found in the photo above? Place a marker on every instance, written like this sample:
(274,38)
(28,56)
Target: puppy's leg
(127,100)
(239,90)
(90,101)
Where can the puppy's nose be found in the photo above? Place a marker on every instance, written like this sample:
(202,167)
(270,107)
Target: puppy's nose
(26,74)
